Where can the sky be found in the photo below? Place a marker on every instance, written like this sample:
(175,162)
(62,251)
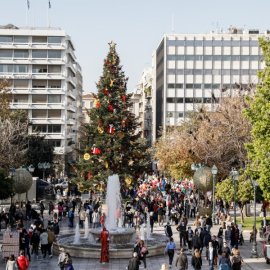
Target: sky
(137,26)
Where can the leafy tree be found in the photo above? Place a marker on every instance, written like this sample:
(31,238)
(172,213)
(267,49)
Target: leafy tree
(111,139)
(6,185)
(244,192)
(38,150)
(258,114)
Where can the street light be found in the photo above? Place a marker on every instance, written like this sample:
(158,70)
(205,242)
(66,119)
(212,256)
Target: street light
(234,173)
(254,252)
(43,166)
(214,171)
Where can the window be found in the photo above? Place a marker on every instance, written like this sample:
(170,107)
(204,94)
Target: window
(216,57)
(244,57)
(54,98)
(177,85)
(39,54)
(39,113)
(207,86)
(39,39)
(207,57)
(179,100)
(198,43)
(20,69)
(226,72)
(20,98)
(189,86)
(20,39)
(54,113)
(20,83)
(39,69)
(6,68)
(254,58)
(5,53)
(171,100)
(235,72)
(197,86)
(198,71)
(54,69)
(235,57)
(188,71)
(208,43)
(226,58)
(216,72)
(188,100)
(245,72)
(54,84)
(39,83)
(217,43)
(180,114)
(41,99)
(55,143)
(207,72)
(21,54)
(245,43)
(207,100)
(6,39)
(235,43)
(254,43)
(54,128)
(169,114)
(190,57)
(197,100)
(215,86)
(39,128)
(54,54)
(189,42)
(54,40)
(226,43)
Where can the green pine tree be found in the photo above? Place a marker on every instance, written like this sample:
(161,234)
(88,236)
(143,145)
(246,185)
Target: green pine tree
(258,114)
(111,138)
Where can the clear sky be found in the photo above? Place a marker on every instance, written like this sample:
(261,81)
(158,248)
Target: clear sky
(137,26)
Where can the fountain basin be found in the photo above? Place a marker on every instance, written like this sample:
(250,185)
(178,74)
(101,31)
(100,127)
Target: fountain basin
(156,246)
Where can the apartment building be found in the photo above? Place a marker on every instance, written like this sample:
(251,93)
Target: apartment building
(45,79)
(88,104)
(195,69)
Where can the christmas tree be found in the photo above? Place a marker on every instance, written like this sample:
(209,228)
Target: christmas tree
(113,144)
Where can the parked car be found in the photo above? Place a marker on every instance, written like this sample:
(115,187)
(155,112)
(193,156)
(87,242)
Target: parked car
(62,185)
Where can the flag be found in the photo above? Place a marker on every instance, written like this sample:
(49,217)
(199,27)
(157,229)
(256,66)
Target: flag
(50,6)
(28,4)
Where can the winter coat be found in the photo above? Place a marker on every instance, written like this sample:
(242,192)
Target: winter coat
(22,262)
(11,265)
(134,264)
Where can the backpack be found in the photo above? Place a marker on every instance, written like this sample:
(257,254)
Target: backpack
(223,266)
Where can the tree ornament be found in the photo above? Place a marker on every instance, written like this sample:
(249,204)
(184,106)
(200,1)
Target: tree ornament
(86,156)
(123,123)
(89,175)
(110,108)
(96,150)
(97,103)
(123,97)
(105,91)
(110,129)
(100,130)
(130,163)
(121,135)
(111,82)
(106,165)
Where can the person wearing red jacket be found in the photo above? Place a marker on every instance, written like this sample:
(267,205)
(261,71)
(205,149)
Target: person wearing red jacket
(22,262)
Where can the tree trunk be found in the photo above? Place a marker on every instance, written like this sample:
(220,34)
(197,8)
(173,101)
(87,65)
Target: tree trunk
(242,215)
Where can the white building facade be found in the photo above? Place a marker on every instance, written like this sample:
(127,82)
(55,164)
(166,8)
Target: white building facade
(45,79)
(195,69)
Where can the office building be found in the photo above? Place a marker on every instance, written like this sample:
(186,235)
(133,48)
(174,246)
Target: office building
(195,69)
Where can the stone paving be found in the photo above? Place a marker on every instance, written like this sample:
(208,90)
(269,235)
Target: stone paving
(153,263)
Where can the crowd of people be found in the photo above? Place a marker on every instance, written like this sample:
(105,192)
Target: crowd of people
(154,200)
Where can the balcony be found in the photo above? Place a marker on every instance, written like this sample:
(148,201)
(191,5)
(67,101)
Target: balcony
(47,121)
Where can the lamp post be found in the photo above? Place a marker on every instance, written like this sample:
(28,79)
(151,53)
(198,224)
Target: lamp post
(214,171)
(234,173)
(43,166)
(254,252)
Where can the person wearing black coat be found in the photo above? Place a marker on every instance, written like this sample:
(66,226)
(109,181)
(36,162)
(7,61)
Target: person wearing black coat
(134,263)
(168,230)
(197,243)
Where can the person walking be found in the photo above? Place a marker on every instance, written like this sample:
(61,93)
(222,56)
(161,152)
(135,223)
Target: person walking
(68,262)
(182,260)
(51,240)
(143,253)
(236,260)
(168,230)
(170,248)
(35,242)
(189,235)
(61,258)
(44,243)
(224,262)
(11,263)
(134,262)
(181,228)
(196,260)
(211,256)
(22,261)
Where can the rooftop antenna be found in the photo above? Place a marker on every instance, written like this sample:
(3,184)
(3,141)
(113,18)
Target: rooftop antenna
(27,10)
(48,13)
(172,23)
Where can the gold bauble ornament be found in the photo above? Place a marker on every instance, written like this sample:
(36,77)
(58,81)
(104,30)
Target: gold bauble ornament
(128,181)
(86,156)
(100,130)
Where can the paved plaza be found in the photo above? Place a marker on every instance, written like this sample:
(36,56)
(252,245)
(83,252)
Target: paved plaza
(153,263)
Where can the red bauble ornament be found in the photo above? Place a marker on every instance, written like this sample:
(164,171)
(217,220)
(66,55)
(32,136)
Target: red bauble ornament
(123,97)
(89,175)
(106,92)
(96,151)
(97,103)
(110,129)
(110,108)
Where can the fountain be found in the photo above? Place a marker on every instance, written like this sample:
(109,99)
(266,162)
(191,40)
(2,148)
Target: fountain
(77,235)
(86,228)
(148,227)
(121,239)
